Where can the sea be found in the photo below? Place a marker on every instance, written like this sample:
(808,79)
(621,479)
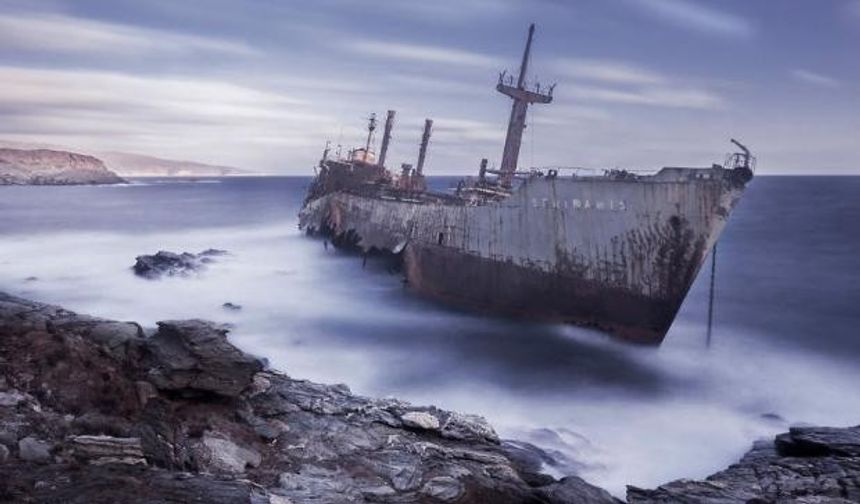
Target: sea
(784,350)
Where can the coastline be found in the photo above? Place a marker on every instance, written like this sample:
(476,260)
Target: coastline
(178,411)
(89,405)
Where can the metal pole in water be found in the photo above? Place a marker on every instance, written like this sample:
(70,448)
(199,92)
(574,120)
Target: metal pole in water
(711,295)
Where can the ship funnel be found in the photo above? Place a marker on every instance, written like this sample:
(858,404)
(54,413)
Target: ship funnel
(422,153)
(386,137)
(371,127)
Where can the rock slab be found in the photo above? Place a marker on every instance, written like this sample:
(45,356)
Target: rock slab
(805,465)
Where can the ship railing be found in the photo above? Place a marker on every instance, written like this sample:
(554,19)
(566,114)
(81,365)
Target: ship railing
(740,160)
(581,171)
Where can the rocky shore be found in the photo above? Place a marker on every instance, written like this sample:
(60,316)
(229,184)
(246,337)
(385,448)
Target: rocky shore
(807,465)
(95,410)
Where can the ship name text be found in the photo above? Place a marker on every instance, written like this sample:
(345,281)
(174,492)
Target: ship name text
(581,204)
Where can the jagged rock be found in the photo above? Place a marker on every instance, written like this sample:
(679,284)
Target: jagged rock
(319,484)
(819,441)
(231,306)
(468,428)
(575,489)
(420,420)
(815,464)
(444,488)
(217,453)
(194,355)
(107,450)
(164,263)
(31,449)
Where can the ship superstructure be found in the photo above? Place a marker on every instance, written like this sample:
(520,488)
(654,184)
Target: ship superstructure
(617,251)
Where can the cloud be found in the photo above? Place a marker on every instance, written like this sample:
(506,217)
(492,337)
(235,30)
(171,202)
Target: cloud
(447,11)
(219,121)
(621,82)
(693,16)
(816,79)
(606,71)
(58,33)
(421,53)
(651,96)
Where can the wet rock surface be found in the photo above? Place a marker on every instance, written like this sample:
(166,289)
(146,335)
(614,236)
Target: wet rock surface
(167,264)
(804,465)
(96,411)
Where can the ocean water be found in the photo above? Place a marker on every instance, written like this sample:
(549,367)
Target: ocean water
(785,347)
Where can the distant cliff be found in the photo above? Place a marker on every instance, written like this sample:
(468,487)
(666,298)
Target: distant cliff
(138,165)
(52,167)
(126,164)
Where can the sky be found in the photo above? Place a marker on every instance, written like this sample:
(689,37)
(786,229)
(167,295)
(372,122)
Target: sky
(262,84)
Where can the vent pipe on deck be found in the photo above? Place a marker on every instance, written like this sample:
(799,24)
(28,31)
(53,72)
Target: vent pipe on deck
(422,153)
(386,137)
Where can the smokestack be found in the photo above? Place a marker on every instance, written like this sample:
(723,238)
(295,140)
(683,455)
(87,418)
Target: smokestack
(386,137)
(425,139)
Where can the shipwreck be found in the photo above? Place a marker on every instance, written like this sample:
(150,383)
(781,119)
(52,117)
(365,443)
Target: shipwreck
(617,250)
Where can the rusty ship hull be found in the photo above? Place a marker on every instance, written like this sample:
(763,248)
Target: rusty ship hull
(619,255)
(617,251)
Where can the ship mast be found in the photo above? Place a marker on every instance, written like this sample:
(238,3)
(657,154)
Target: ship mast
(522,99)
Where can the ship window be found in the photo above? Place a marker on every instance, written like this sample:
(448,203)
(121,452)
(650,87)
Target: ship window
(441,238)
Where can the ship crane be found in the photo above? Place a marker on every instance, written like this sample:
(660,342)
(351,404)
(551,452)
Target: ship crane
(517,124)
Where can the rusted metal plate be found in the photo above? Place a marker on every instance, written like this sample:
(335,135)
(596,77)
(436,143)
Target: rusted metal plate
(619,254)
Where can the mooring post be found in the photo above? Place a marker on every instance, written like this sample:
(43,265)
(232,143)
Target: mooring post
(711,295)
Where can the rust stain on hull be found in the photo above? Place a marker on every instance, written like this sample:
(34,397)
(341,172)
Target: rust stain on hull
(624,268)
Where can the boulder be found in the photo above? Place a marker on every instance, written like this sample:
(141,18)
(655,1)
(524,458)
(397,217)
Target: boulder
(165,263)
(420,420)
(34,450)
(217,453)
(195,356)
(468,428)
